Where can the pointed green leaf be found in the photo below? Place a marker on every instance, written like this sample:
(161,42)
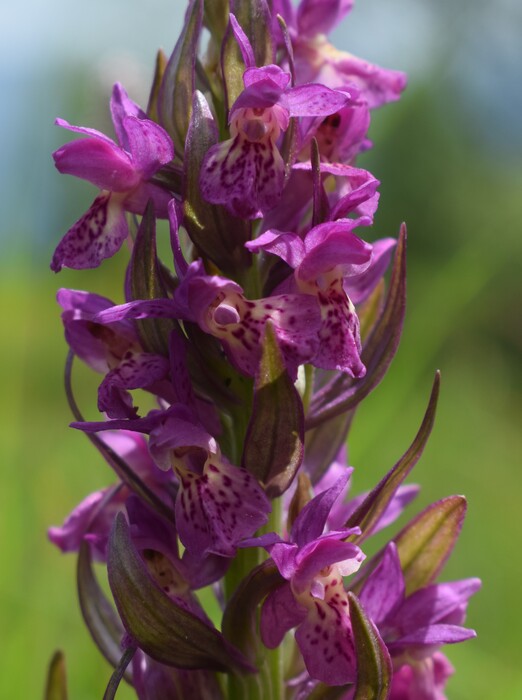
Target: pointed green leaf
(374,666)
(369,512)
(425,544)
(342,393)
(56,687)
(146,283)
(273,449)
(216,18)
(179,83)
(166,632)
(159,72)
(370,310)
(99,615)
(217,234)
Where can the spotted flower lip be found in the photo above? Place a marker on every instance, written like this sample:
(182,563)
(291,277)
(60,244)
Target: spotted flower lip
(323,262)
(121,171)
(314,599)
(246,172)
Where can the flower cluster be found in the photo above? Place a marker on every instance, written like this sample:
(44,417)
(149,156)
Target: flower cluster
(256,339)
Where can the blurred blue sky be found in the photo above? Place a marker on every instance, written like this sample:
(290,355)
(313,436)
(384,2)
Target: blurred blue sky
(69,51)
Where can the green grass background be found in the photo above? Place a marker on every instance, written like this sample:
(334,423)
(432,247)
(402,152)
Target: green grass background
(462,204)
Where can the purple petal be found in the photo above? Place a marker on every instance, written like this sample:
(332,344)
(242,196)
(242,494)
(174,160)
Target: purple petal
(314,100)
(85,130)
(310,522)
(137,200)
(439,603)
(384,588)
(95,344)
(339,337)
(333,245)
(378,85)
(325,640)
(280,613)
(148,308)
(245,47)
(321,16)
(93,516)
(135,371)
(288,246)
(218,509)
(359,287)
(283,554)
(322,553)
(122,106)
(434,635)
(149,144)
(99,234)
(99,161)
(272,73)
(246,176)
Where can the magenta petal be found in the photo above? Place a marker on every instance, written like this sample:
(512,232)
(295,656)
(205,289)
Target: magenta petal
(122,106)
(321,16)
(443,602)
(383,591)
(359,287)
(216,510)
(433,635)
(96,236)
(340,344)
(244,44)
(340,249)
(311,521)
(271,73)
(85,130)
(280,613)
(91,519)
(326,642)
(288,246)
(99,161)
(137,200)
(322,553)
(150,145)
(314,101)
(246,177)
(148,308)
(378,85)
(135,371)
(283,554)
(91,342)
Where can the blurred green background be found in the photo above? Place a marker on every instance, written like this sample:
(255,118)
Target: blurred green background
(448,156)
